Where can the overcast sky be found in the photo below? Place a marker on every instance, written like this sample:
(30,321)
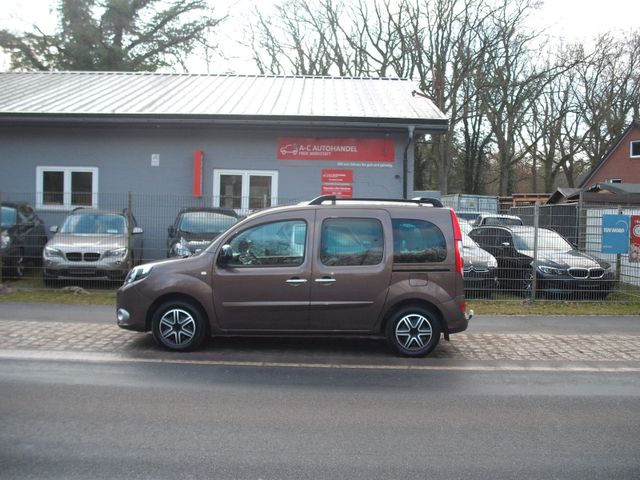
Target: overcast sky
(567,19)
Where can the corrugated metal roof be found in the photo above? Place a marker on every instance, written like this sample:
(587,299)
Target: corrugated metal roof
(262,97)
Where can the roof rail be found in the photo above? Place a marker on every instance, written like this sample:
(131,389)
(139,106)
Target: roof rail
(323,198)
(418,200)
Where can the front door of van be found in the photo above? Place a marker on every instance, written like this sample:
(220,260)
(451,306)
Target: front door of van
(266,285)
(351,269)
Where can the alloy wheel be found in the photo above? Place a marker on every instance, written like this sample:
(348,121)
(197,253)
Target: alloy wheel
(413,331)
(177,328)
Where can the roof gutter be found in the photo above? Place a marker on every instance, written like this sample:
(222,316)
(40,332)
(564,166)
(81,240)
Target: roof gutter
(429,125)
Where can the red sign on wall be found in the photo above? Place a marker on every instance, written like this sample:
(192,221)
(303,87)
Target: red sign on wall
(634,239)
(197,173)
(336,149)
(331,175)
(340,191)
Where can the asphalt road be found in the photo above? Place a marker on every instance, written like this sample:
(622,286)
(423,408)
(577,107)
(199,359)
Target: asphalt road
(525,397)
(68,420)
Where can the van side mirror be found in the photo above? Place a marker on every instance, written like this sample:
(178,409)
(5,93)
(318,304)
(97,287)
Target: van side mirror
(172,231)
(225,255)
(137,230)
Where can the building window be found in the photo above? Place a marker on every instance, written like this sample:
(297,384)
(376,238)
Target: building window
(245,190)
(63,188)
(635,149)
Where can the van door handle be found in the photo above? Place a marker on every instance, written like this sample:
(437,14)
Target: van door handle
(325,280)
(296,280)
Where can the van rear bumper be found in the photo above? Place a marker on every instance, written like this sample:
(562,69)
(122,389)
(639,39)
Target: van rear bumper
(456,320)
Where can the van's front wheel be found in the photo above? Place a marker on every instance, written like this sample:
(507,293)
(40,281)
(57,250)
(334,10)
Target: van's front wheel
(413,331)
(178,326)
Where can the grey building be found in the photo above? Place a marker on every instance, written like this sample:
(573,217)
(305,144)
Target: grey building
(160,142)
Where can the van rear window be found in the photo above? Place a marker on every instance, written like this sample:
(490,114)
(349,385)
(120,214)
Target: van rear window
(417,241)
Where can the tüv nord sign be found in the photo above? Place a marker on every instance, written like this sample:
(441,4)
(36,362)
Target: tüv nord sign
(615,233)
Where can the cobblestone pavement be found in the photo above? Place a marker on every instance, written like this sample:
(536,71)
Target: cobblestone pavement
(97,338)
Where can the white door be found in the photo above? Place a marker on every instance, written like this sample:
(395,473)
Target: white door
(245,190)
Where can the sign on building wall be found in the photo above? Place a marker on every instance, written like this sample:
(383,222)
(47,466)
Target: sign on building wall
(340,191)
(373,150)
(634,239)
(615,233)
(338,182)
(332,175)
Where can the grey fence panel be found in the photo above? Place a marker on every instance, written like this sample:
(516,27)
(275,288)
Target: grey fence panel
(556,276)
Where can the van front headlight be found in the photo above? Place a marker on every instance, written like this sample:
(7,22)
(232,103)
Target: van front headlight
(138,273)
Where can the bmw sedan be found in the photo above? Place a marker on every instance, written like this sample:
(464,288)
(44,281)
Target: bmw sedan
(560,270)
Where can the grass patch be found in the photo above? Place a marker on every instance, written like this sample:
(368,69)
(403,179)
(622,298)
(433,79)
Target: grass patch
(481,307)
(91,297)
(520,307)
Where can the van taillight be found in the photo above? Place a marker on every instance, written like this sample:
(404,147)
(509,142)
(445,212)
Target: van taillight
(457,238)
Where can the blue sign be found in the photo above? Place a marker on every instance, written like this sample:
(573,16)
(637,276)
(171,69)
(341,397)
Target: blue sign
(615,233)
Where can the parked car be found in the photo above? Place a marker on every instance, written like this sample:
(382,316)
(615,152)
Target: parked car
(93,245)
(22,238)
(480,267)
(195,228)
(496,219)
(561,269)
(353,267)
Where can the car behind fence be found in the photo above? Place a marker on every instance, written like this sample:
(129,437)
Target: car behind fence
(557,254)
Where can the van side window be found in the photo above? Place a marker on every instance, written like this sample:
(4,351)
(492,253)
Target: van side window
(351,241)
(270,244)
(417,241)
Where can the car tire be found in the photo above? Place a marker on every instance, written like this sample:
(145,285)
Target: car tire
(178,326)
(413,331)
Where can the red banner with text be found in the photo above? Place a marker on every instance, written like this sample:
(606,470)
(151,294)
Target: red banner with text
(336,149)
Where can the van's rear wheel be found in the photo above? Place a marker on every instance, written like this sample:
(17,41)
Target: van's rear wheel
(413,331)
(178,326)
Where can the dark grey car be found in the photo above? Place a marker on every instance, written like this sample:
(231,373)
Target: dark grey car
(195,228)
(561,269)
(22,238)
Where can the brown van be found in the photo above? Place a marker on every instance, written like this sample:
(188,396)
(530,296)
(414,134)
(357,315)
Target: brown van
(377,267)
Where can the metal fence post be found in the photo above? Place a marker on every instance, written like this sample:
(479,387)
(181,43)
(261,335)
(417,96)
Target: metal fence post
(618,257)
(130,230)
(534,264)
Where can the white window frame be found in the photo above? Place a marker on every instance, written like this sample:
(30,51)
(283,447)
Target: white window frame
(631,155)
(67,194)
(246,176)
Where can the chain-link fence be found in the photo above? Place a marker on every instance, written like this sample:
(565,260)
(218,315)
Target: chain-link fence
(58,242)
(555,254)
(566,250)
